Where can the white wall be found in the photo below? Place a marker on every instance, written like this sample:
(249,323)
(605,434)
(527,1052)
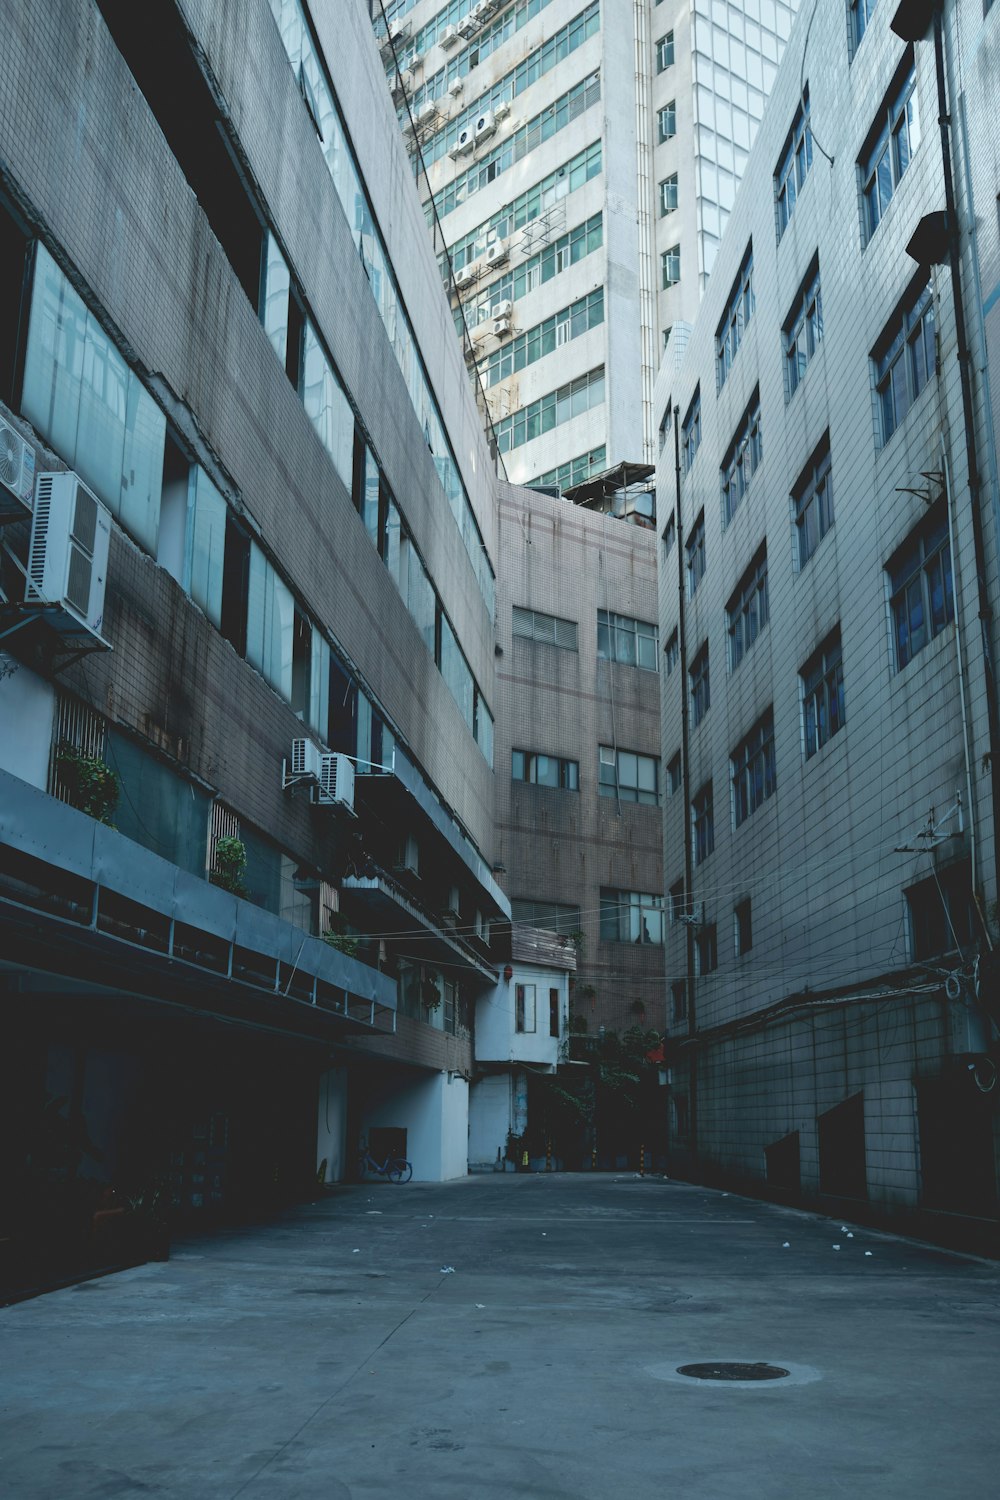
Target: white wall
(433,1109)
(489,1117)
(496,1038)
(27,706)
(331,1133)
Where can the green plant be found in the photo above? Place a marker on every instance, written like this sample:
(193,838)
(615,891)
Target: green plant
(91,785)
(578,1025)
(230,866)
(338,936)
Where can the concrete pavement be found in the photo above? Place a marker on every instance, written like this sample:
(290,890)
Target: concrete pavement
(329,1354)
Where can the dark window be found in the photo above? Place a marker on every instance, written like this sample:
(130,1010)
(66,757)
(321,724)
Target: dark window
(691,430)
(793,168)
(891,143)
(742,928)
(235,585)
(739,311)
(706,950)
(553,1012)
(940,912)
(157,49)
(545,770)
(678,1000)
(696,559)
(702,824)
(742,458)
(753,771)
(803,330)
(905,358)
(922,595)
(748,610)
(823,713)
(13,271)
(841,1132)
(701,698)
(813,500)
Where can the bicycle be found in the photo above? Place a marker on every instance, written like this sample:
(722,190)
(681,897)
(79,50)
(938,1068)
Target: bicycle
(396,1168)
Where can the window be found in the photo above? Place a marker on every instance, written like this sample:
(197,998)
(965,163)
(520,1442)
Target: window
(553,1012)
(747,610)
(702,824)
(551,916)
(628,776)
(631,917)
(669,535)
(551,410)
(671,653)
(665,52)
(668,197)
(859,14)
(678,1000)
(691,430)
(674,774)
(922,596)
(742,458)
(823,695)
(696,555)
(524,1007)
(666,338)
(678,905)
(803,330)
(545,337)
(940,911)
(545,770)
(548,629)
(700,696)
(670,266)
(752,767)
(706,950)
(742,928)
(891,143)
(813,501)
(574,471)
(633,642)
(793,168)
(739,311)
(905,357)
(666,122)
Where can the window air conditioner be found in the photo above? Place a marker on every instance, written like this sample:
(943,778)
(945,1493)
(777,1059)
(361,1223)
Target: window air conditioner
(501,109)
(497,253)
(17,474)
(427,111)
(468,26)
(501,326)
(482,12)
(336,781)
(449,38)
(466,276)
(415,61)
(504,310)
(466,141)
(456,88)
(305,761)
(68,554)
(485,126)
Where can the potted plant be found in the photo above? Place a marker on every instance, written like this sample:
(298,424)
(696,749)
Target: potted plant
(429,992)
(92,786)
(230,866)
(148,1220)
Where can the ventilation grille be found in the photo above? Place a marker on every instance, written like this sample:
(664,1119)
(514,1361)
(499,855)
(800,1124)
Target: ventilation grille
(39,535)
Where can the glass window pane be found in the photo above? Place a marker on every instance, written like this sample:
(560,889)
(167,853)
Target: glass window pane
(142,465)
(206,542)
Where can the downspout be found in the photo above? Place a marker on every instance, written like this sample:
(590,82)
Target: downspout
(685,790)
(968,419)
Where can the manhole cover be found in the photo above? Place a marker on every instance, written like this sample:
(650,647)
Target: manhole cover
(731,1370)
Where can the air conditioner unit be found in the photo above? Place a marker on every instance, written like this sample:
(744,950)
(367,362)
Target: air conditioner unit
(485,126)
(336,781)
(501,109)
(466,276)
(456,88)
(449,38)
(501,326)
(465,143)
(504,309)
(17,474)
(468,26)
(427,112)
(305,761)
(497,253)
(482,12)
(415,62)
(68,554)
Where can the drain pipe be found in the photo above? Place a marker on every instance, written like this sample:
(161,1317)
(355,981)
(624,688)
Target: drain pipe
(968,419)
(685,793)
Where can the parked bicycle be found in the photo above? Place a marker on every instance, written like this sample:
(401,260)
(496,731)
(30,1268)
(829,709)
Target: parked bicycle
(394,1167)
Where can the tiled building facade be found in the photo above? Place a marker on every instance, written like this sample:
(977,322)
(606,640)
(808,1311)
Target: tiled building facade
(827,575)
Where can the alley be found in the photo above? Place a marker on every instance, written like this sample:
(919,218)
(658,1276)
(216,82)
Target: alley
(512,1336)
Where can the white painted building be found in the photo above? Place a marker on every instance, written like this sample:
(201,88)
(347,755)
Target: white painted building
(828,568)
(582,160)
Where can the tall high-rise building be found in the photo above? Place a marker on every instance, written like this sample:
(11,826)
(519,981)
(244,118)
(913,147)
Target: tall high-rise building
(578,165)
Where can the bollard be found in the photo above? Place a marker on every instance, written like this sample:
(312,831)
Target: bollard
(642,1161)
(548,1156)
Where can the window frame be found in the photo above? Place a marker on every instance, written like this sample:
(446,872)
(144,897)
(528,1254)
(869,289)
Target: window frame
(914,563)
(885,158)
(666,123)
(567,771)
(748,610)
(696,565)
(802,331)
(702,824)
(614,760)
(668,190)
(824,712)
(618,628)
(793,165)
(539,632)
(742,460)
(664,52)
(736,318)
(753,769)
(625,903)
(814,488)
(901,375)
(699,682)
